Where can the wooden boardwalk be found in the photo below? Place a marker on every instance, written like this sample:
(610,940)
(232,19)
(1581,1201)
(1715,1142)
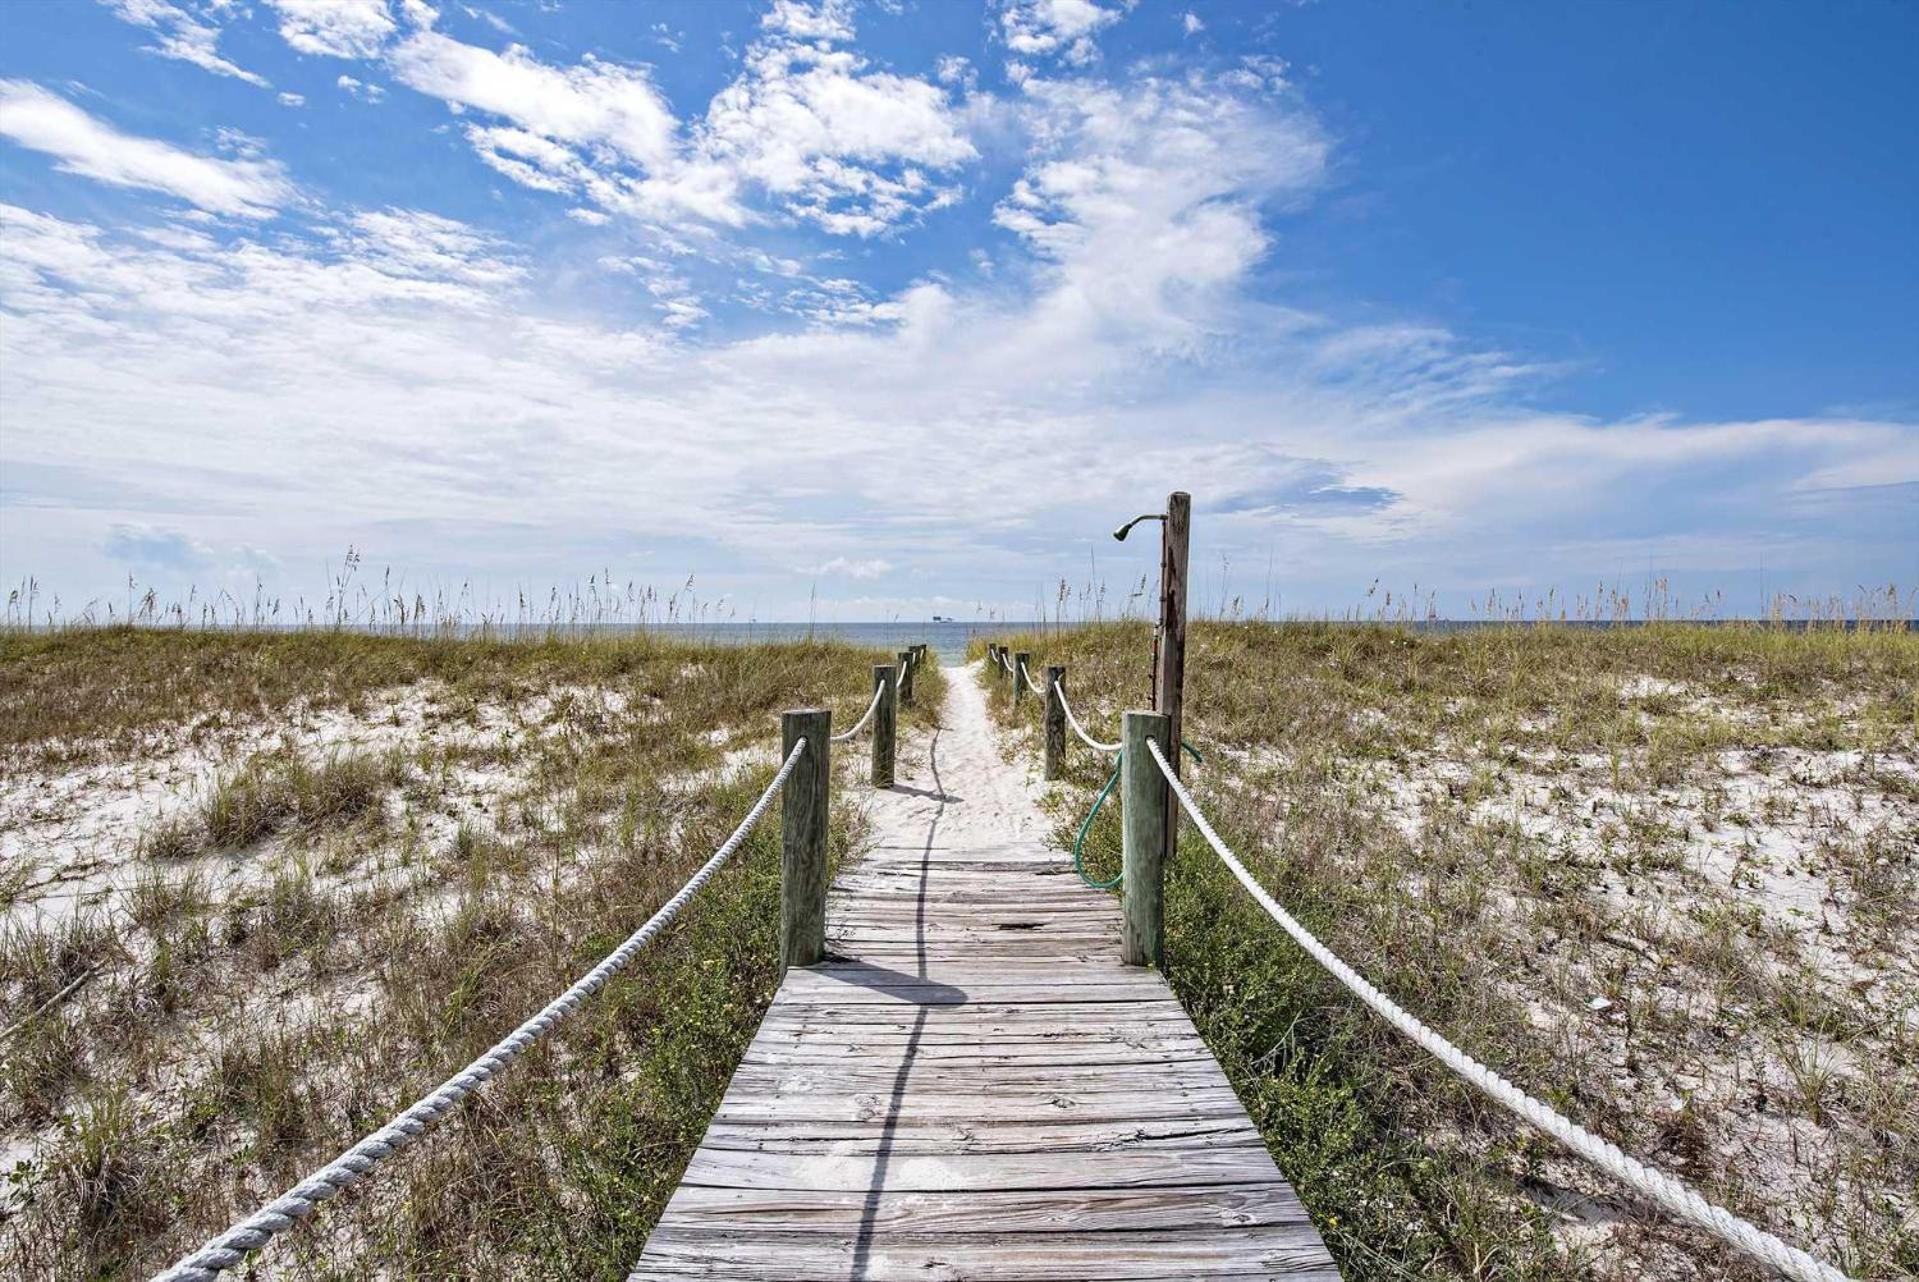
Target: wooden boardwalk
(977,1089)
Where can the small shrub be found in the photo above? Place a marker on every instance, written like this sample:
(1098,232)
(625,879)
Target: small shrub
(173,837)
(106,1164)
(44,1060)
(154,900)
(271,792)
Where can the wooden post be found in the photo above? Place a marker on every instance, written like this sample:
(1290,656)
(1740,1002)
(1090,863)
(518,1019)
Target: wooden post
(1145,819)
(1169,657)
(885,720)
(804,806)
(1019,675)
(907,665)
(1055,723)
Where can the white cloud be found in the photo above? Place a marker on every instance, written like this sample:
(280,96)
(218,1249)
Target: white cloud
(292,99)
(851,568)
(590,103)
(1192,23)
(361,89)
(149,548)
(678,306)
(181,36)
(952,69)
(807,126)
(46,122)
(425,246)
(1145,197)
(853,150)
(1056,28)
(828,20)
(335,28)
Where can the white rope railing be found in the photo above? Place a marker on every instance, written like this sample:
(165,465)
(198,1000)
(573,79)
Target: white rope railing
(354,1165)
(1079,729)
(879,688)
(1663,1189)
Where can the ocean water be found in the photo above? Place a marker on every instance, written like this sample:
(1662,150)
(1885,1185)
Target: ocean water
(948,639)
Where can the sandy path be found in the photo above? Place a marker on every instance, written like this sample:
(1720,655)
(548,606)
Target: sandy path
(957,780)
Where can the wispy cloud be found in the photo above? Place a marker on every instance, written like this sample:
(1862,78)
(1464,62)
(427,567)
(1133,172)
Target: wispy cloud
(1058,28)
(83,144)
(847,567)
(335,28)
(807,129)
(148,548)
(180,35)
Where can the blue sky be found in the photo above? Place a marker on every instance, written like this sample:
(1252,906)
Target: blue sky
(898,307)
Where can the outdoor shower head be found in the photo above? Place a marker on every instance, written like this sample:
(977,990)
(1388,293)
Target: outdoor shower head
(1127,528)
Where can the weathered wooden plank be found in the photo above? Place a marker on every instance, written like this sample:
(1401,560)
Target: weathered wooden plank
(905,1173)
(1004,1080)
(1267,1252)
(869,1039)
(950,1214)
(803,988)
(970,1135)
(976,1015)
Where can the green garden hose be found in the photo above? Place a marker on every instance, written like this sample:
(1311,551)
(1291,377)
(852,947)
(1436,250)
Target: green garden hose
(1079,842)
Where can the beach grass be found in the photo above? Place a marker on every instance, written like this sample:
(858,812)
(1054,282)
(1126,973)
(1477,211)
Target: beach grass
(1664,877)
(296,878)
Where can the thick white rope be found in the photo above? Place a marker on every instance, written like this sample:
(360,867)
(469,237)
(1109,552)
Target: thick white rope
(879,688)
(1079,729)
(1668,1192)
(354,1165)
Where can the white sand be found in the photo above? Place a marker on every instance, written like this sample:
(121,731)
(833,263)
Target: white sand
(988,799)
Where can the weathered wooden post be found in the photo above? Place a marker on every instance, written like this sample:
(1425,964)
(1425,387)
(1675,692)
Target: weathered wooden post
(1019,675)
(804,806)
(1055,723)
(885,720)
(907,666)
(1145,821)
(1169,659)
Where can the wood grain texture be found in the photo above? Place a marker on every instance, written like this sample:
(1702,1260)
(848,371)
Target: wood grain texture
(1169,651)
(1053,763)
(1146,815)
(803,821)
(885,723)
(971,1085)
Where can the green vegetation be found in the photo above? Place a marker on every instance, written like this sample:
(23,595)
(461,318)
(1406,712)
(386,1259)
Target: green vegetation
(1666,878)
(417,843)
